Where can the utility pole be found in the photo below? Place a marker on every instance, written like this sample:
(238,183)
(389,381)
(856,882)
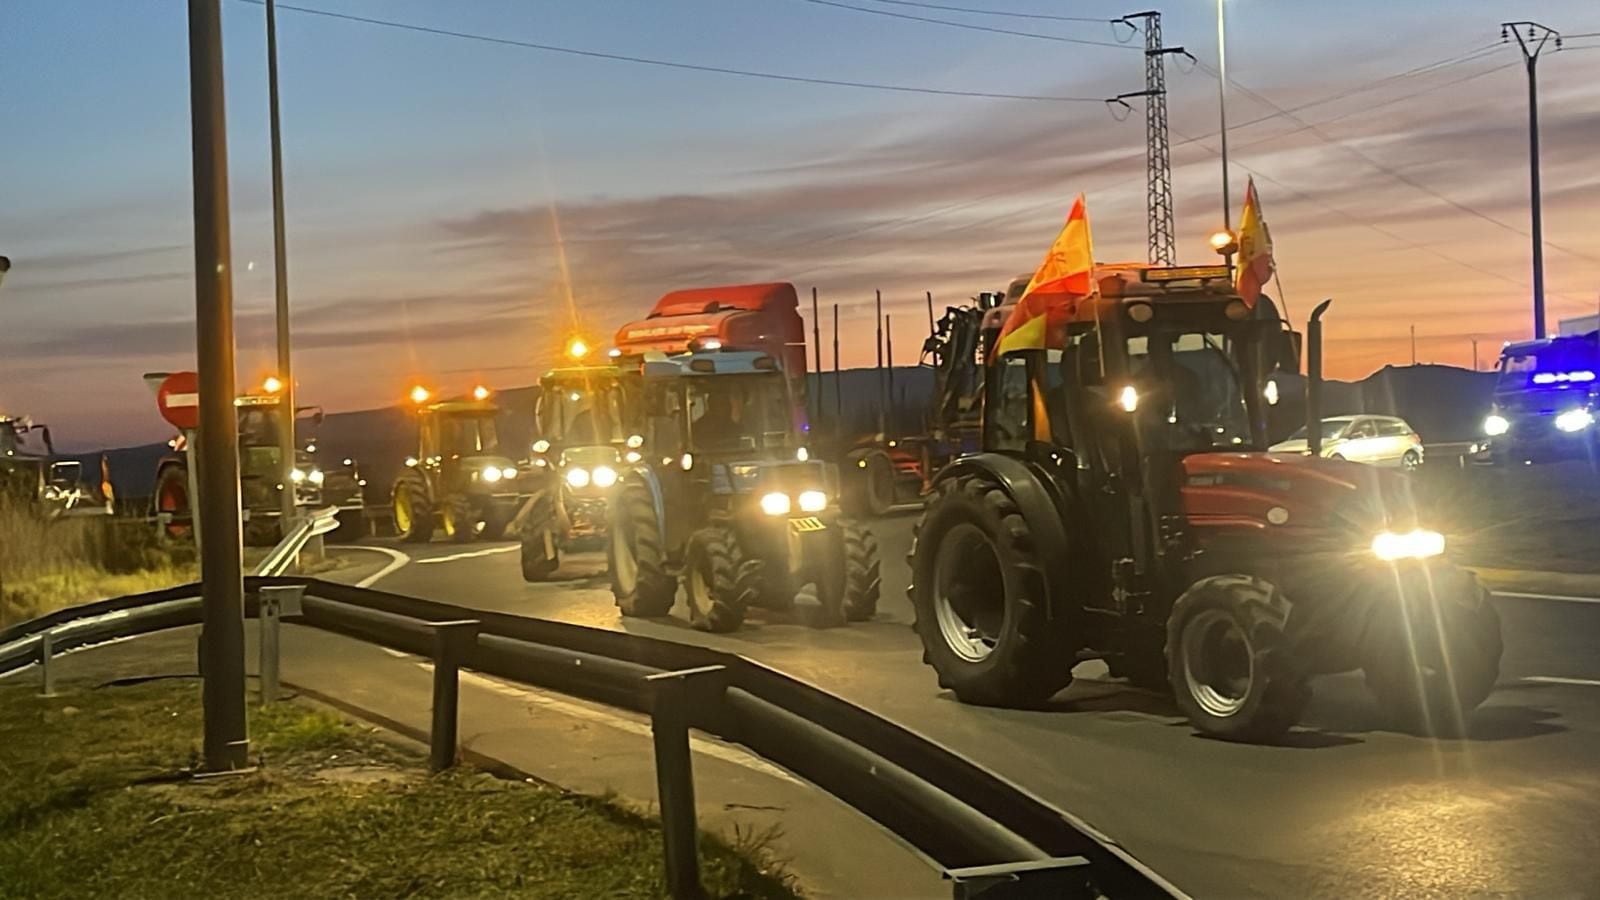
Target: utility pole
(286,438)
(1532,38)
(1222,95)
(1474,354)
(1158,160)
(1413,345)
(878,317)
(816,341)
(217,452)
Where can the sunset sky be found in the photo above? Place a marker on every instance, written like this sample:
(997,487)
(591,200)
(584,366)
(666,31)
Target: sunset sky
(446,196)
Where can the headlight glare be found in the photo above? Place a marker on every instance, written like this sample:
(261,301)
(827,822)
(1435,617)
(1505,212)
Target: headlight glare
(315,476)
(508,472)
(578,477)
(1574,420)
(491,474)
(1496,425)
(813,501)
(297,475)
(1420,543)
(775,504)
(604,476)
(541,446)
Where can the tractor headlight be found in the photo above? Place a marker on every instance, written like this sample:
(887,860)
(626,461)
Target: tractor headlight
(578,477)
(813,501)
(315,476)
(635,441)
(490,474)
(632,456)
(508,472)
(1416,544)
(775,504)
(541,446)
(297,475)
(1574,420)
(1496,425)
(802,454)
(604,476)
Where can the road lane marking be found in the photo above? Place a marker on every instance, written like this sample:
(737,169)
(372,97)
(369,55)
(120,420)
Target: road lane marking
(471,554)
(1557,679)
(396,561)
(1561,597)
(715,749)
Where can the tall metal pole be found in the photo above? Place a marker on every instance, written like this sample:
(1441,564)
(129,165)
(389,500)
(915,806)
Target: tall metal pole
(1161,240)
(217,453)
(1222,95)
(1531,39)
(838,387)
(1474,354)
(1413,345)
(286,440)
(931,326)
(1314,379)
(816,341)
(888,344)
(878,318)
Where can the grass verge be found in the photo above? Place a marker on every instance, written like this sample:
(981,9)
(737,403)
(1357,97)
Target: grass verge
(94,805)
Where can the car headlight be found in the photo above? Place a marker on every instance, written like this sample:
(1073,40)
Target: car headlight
(775,504)
(491,474)
(802,454)
(297,475)
(1496,425)
(1416,544)
(813,501)
(604,476)
(508,472)
(315,476)
(578,477)
(1574,420)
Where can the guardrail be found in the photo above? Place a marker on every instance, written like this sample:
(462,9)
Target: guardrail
(990,836)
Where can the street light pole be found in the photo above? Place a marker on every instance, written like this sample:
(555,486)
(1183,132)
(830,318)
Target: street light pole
(1222,99)
(1532,43)
(286,438)
(217,452)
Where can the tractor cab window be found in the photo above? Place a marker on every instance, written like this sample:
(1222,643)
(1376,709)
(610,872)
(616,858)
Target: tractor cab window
(1189,390)
(582,412)
(738,412)
(258,426)
(1007,417)
(665,426)
(469,435)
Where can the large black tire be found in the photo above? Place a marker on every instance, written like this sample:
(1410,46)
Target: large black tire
(1222,639)
(412,509)
(973,545)
(710,580)
(862,579)
(262,531)
(537,564)
(494,526)
(634,555)
(460,519)
(1445,662)
(353,525)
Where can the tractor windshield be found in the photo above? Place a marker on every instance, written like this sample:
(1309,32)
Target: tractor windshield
(739,412)
(471,434)
(1190,389)
(582,411)
(258,426)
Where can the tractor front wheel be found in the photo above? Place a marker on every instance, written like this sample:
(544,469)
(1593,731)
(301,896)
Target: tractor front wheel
(710,580)
(413,509)
(979,597)
(862,581)
(462,523)
(541,553)
(1222,637)
(1443,662)
(635,557)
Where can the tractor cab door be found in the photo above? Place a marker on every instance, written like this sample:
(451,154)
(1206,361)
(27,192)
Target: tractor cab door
(666,449)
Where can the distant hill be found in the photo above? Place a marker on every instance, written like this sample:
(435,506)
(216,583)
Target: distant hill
(1444,404)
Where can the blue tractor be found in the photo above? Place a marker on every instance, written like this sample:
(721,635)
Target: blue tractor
(727,497)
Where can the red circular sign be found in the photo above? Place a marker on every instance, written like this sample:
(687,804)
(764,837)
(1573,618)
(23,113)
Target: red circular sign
(179,399)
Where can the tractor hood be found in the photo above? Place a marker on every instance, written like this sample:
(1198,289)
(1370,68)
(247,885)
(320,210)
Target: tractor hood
(1292,492)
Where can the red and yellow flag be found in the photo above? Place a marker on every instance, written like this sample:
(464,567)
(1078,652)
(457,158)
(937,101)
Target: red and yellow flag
(1255,248)
(1065,277)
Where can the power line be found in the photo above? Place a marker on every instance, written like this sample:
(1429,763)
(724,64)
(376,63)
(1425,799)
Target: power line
(970,27)
(671,64)
(1000,12)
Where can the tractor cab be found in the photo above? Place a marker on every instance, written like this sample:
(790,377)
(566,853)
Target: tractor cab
(31,477)
(260,470)
(461,478)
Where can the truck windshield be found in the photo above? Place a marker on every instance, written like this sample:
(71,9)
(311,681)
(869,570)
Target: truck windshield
(738,412)
(583,410)
(1558,362)
(258,426)
(1189,389)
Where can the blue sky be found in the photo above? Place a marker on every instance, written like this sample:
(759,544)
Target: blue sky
(428,176)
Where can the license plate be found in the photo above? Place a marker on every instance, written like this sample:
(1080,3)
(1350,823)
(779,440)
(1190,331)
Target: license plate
(806,525)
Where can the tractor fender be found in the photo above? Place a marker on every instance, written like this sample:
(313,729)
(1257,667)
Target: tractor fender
(1025,484)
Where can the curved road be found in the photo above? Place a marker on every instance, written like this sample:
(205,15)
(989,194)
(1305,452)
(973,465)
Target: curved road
(1342,809)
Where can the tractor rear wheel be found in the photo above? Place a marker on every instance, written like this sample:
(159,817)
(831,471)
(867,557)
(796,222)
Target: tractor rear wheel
(413,509)
(1221,639)
(710,579)
(979,598)
(1446,662)
(635,557)
(172,498)
(461,522)
(541,551)
(862,581)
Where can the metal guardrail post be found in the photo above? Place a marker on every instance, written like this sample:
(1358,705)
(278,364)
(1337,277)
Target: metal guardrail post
(47,675)
(1067,876)
(673,694)
(451,643)
(277,601)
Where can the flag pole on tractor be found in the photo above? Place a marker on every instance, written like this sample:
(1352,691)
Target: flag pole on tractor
(1255,248)
(1063,279)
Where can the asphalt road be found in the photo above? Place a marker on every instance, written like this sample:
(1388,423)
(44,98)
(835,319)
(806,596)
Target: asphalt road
(1343,809)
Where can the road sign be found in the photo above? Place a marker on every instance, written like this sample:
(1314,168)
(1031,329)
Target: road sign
(179,399)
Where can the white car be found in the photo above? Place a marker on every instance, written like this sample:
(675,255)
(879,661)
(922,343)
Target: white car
(1377,440)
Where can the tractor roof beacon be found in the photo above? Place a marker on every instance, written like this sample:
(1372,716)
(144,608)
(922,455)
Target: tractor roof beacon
(726,492)
(1125,504)
(461,480)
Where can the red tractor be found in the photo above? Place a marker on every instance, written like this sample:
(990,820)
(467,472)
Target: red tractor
(1124,507)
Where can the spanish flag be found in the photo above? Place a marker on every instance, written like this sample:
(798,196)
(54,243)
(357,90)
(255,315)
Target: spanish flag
(1255,248)
(1065,277)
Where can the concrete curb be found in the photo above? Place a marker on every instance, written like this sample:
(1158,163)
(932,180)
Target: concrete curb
(1536,582)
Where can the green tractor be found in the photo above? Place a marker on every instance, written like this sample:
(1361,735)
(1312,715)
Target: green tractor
(460,481)
(34,480)
(727,497)
(588,420)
